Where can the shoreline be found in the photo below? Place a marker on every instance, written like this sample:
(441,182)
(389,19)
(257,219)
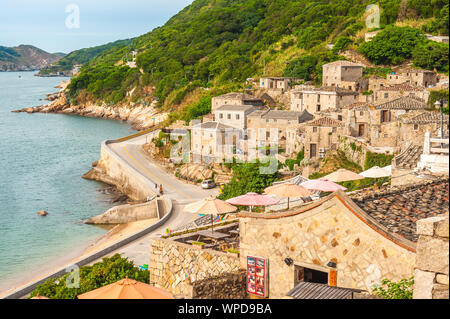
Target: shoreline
(113,236)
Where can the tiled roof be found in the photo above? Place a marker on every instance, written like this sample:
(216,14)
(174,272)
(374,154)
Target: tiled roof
(326,121)
(399,208)
(402,87)
(344,63)
(277,114)
(241,96)
(402,103)
(357,106)
(426,118)
(312,290)
(212,125)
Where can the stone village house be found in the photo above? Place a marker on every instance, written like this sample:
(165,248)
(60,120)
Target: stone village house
(422,78)
(344,74)
(235,99)
(316,137)
(351,241)
(315,100)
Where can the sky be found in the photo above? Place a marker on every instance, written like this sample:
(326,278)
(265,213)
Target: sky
(65,26)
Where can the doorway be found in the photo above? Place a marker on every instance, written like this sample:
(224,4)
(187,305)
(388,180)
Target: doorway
(303,274)
(312,150)
(361,130)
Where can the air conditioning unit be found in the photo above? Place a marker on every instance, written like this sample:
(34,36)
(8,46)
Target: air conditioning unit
(322,155)
(321,150)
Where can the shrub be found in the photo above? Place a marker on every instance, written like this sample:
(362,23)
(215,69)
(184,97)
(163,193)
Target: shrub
(376,159)
(395,290)
(105,272)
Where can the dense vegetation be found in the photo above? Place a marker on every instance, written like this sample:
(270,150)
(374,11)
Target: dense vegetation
(377,159)
(246,179)
(105,272)
(82,56)
(214,44)
(394,45)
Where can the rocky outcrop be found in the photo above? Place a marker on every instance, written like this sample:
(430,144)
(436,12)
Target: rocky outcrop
(139,116)
(42,213)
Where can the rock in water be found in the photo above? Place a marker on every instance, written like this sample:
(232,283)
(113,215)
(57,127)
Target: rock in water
(42,213)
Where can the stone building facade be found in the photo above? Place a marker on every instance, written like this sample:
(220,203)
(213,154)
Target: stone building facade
(333,238)
(234,115)
(234,98)
(276,83)
(322,99)
(343,74)
(431,269)
(398,90)
(423,78)
(175,265)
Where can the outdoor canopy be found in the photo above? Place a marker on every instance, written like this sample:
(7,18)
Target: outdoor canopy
(127,289)
(253,199)
(322,185)
(376,172)
(288,190)
(343,175)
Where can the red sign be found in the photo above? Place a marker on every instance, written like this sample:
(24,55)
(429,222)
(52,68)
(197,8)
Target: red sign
(257,274)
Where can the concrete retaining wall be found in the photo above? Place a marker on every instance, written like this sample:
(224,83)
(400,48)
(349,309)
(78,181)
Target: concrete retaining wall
(128,180)
(126,213)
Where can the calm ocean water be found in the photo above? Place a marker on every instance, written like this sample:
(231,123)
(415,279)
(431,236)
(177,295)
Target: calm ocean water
(42,158)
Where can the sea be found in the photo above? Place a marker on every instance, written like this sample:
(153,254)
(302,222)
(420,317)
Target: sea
(42,159)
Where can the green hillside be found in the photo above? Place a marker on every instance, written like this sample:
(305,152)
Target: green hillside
(81,56)
(221,43)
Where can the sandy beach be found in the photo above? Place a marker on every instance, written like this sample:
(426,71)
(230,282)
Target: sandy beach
(116,234)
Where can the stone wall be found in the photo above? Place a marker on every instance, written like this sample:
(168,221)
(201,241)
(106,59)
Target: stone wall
(126,213)
(226,286)
(174,264)
(313,238)
(353,149)
(431,270)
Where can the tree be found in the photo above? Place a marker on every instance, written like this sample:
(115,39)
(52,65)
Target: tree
(247,178)
(105,272)
(393,45)
(430,55)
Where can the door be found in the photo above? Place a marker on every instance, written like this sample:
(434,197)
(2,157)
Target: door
(303,274)
(312,150)
(361,131)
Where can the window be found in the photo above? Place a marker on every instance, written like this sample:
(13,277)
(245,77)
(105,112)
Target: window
(416,127)
(220,116)
(314,129)
(361,113)
(340,117)
(229,116)
(318,107)
(237,117)
(334,129)
(386,95)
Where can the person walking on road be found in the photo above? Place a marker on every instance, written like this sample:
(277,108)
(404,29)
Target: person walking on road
(161,189)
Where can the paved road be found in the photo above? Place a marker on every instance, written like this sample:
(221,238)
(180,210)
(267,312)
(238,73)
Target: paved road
(180,193)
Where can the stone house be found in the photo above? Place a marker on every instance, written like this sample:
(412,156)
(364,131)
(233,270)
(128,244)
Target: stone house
(276,83)
(321,99)
(318,136)
(343,74)
(423,78)
(384,116)
(234,99)
(234,115)
(212,142)
(261,124)
(351,242)
(399,90)
(357,118)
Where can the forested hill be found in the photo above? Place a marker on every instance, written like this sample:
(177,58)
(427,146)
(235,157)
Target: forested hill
(25,58)
(80,57)
(221,43)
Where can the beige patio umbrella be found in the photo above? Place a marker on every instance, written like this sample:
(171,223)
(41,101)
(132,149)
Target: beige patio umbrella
(210,206)
(127,289)
(376,172)
(343,175)
(288,190)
